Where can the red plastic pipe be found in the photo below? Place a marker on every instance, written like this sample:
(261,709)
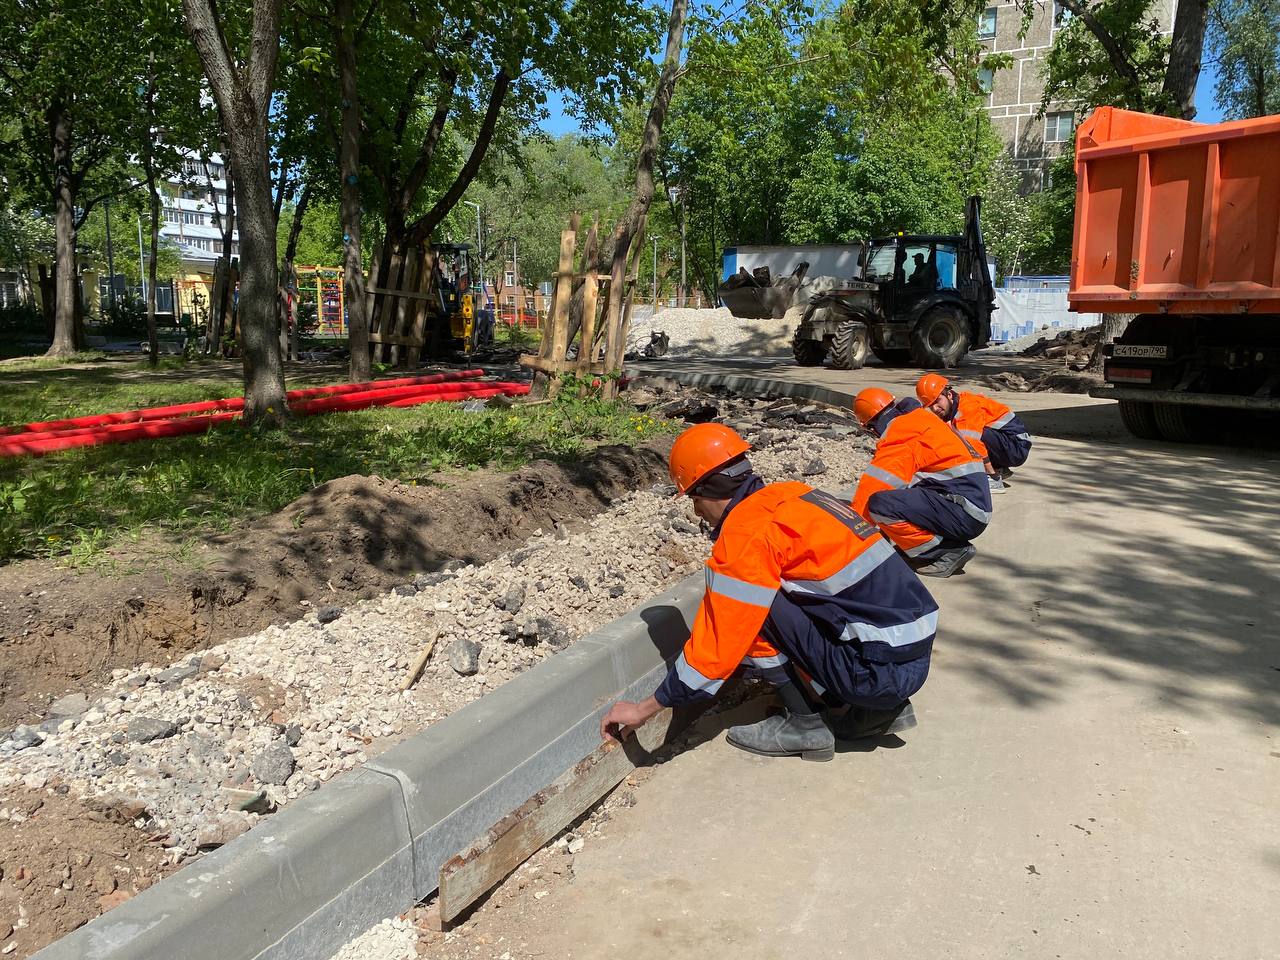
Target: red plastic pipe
(48,434)
(127,432)
(228,403)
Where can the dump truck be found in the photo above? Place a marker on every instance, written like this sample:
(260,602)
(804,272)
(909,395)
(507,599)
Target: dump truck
(922,299)
(1176,223)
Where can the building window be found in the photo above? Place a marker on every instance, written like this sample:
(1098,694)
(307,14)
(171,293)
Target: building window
(1058,127)
(987,24)
(510,279)
(986,77)
(170,216)
(528,303)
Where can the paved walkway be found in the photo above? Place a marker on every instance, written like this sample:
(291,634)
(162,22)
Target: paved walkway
(1096,773)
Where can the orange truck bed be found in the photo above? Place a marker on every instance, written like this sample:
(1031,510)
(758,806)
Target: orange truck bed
(1176,217)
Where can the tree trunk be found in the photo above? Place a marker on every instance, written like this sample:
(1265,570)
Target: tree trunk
(1186,51)
(153,343)
(630,231)
(1113,324)
(64,308)
(259,281)
(349,168)
(243,90)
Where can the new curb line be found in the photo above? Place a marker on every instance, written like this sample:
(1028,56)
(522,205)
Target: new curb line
(370,844)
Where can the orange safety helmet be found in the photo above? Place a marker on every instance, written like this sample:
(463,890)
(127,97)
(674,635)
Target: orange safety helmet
(869,402)
(701,449)
(929,387)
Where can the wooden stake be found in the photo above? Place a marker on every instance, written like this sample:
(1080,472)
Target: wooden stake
(416,670)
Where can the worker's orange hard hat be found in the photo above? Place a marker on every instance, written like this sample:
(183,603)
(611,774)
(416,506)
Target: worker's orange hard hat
(929,387)
(869,402)
(701,449)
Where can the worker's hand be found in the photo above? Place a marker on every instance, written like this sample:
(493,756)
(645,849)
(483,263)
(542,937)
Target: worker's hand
(623,717)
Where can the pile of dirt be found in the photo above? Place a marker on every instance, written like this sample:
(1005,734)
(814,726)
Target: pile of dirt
(1073,347)
(1057,381)
(346,540)
(50,883)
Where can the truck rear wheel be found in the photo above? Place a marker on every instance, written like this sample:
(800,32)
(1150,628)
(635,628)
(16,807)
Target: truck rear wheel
(1139,418)
(940,338)
(1181,423)
(849,349)
(808,353)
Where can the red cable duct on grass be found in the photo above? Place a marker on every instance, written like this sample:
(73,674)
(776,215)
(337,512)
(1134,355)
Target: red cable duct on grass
(53,441)
(228,403)
(298,408)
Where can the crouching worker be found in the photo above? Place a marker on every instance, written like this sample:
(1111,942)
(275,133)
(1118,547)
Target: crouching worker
(799,588)
(925,488)
(990,427)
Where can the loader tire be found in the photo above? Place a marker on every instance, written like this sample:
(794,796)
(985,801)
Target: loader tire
(940,338)
(808,353)
(1139,418)
(851,345)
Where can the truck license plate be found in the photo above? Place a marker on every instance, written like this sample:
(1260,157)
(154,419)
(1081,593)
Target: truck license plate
(1140,350)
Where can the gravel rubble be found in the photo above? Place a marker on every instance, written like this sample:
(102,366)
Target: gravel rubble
(715,332)
(196,752)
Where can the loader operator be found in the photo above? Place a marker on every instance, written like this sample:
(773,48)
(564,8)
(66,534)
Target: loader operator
(925,488)
(801,592)
(990,427)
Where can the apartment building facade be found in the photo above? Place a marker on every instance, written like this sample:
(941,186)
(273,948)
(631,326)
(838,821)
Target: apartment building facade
(192,204)
(1033,136)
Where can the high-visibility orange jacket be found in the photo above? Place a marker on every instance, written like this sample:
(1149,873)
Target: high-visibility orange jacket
(918,449)
(975,413)
(828,560)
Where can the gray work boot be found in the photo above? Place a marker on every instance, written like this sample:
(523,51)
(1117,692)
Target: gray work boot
(860,723)
(786,735)
(948,563)
(996,485)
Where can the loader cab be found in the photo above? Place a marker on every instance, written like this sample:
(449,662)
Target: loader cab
(911,267)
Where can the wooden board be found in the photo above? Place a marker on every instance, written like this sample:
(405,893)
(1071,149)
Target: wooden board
(399,339)
(510,842)
(556,367)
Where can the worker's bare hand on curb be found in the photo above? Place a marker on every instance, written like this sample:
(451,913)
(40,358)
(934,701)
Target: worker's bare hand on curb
(621,720)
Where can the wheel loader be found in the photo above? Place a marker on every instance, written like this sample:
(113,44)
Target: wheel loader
(922,299)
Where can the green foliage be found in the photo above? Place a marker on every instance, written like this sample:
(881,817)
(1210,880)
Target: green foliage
(1244,38)
(792,127)
(1082,70)
(530,196)
(320,241)
(77,503)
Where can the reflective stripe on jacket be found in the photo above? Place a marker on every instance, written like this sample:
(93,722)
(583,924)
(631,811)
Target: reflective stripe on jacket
(918,449)
(827,559)
(976,413)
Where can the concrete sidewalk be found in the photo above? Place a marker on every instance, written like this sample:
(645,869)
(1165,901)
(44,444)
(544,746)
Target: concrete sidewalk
(1096,773)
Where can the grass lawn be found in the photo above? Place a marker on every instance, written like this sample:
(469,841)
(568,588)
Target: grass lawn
(76,503)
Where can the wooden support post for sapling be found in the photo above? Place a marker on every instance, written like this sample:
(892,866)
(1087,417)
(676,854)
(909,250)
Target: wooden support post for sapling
(590,299)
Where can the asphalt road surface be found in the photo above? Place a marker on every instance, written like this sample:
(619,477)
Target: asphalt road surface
(1097,768)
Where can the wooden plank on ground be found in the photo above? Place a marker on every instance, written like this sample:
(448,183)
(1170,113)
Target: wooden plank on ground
(468,876)
(398,339)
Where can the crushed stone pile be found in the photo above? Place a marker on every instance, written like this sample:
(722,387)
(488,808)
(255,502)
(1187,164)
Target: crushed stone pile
(715,332)
(196,752)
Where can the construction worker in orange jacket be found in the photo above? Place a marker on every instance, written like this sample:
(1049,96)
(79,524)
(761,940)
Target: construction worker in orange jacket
(801,592)
(990,427)
(925,487)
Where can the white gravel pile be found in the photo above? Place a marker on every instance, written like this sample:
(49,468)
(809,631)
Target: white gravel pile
(716,332)
(184,751)
(393,939)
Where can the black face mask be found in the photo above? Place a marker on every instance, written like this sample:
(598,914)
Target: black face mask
(724,482)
